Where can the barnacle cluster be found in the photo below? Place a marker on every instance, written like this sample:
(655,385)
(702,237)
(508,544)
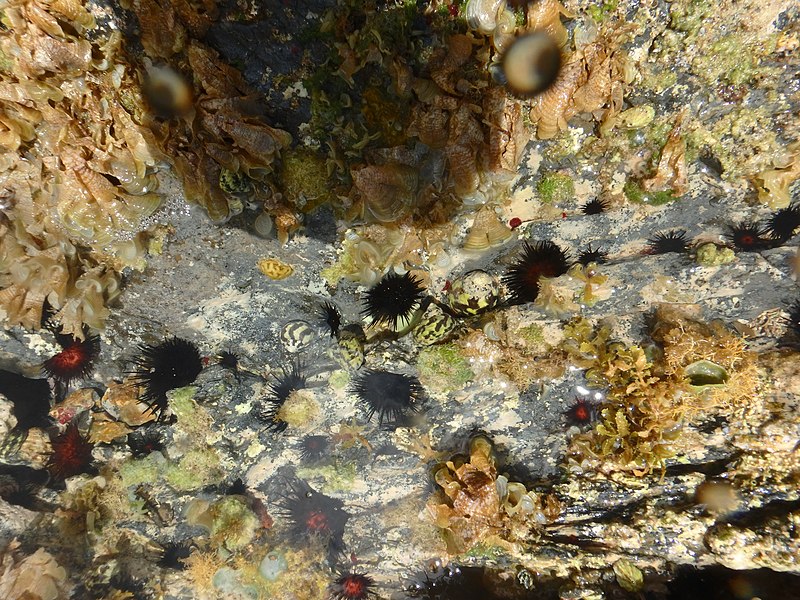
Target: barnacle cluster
(477,505)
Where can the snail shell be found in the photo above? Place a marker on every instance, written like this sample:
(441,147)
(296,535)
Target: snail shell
(296,336)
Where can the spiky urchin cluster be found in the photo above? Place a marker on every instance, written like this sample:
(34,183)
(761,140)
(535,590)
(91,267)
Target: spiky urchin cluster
(172,364)
(541,259)
(393,396)
(352,585)
(748,236)
(287,381)
(394,300)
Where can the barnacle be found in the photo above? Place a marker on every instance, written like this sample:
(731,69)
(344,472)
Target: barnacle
(487,231)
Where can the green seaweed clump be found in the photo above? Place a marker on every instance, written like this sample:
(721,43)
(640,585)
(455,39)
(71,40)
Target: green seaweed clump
(555,188)
(634,193)
(229,521)
(304,179)
(444,368)
(711,255)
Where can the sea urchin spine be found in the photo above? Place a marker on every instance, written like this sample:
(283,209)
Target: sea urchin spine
(288,381)
(669,241)
(352,586)
(76,359)
(71,454)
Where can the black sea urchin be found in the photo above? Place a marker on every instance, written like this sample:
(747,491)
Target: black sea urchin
(76,359)
(331,317)
(592,255)
(172,364)
(393,300)
(542,259)
(665,242)
(782,225)
(31,399)
(314,447)
(393,396)
(289,380)
(311,514)
(595,207)
(144,441)
(748,237)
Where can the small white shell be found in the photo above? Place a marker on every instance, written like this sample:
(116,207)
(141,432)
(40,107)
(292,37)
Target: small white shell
(296,336)
(482,15)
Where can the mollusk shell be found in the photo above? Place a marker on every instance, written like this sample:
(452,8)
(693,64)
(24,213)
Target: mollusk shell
(275,269)
(388,191)
(473,293)
(487,231)
(296,336)
(351,347)
(482,15)
(435,326)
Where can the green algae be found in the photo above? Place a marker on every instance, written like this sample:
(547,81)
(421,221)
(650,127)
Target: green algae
(444,368)
(195,469)
(711,255)
(339,476)
(555,188)
(634,193)
(304,179)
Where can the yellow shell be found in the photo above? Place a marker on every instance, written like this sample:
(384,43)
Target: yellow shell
(275,269)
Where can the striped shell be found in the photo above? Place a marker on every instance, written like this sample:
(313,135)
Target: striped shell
(473,293)
(436,326)
(296,336)
(351,347)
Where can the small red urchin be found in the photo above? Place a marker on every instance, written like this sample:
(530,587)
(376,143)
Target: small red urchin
(71,453)
(312,514)
(352,586)
(542,259)
(76,359)
(582,412)
(748,237)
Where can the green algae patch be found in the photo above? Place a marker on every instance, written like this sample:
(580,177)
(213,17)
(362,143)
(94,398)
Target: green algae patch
(339,379)
(339,476)
(634,193)
(444,368)
(142,470)
(233,524)
(555,188)
(197,468)
(711,255)
(304,179)
(192,418)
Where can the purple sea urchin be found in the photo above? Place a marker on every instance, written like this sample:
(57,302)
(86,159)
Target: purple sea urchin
(393,396)
(665,242)
(289,380)
(542,259)
(172,364)
(748,236)
(582,412)
(393,300)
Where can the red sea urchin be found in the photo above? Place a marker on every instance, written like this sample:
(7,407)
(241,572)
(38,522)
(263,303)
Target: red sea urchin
(542,259)
(76,359)
(312,514)
(582,412)
(393,396)
(748,237)
(393,300)
(352,586)
(172,364)
(71,454)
